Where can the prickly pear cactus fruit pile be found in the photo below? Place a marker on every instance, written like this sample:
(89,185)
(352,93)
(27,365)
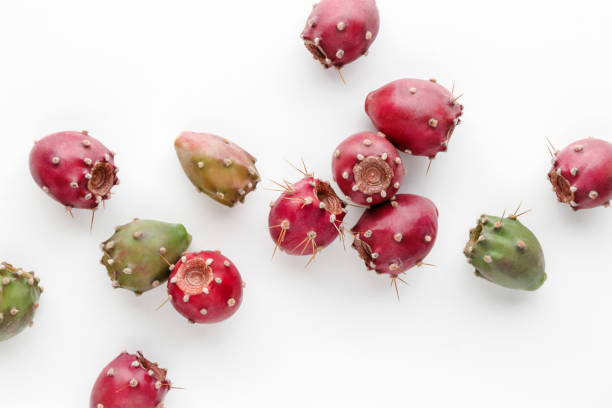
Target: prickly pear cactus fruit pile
(506,252)
(130,381)
(138,256)
(19,294)
(74,169)
(217,167)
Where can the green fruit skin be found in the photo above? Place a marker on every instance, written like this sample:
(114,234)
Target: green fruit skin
(217,167)
(18,290)
(137,246)
(515,255)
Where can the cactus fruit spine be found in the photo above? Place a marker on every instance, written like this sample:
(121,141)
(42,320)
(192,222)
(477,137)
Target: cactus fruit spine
(306,217)
(581,173)
(417,116)
(217,167)
(74,169)
(506,252)
(130,380)
(205,287)
(138,255)
(395,236)
(338,32)
(367,168)
(19,294)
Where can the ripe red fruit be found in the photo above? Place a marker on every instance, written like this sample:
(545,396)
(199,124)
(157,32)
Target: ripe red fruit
(367,168)
(205,287)
(417,116)
(338,32)
(581,174)
(306,217)
(130,381)
(74,169)
(395,236)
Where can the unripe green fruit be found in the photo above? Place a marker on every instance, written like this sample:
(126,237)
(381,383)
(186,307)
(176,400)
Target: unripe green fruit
(506,252)
(138,256)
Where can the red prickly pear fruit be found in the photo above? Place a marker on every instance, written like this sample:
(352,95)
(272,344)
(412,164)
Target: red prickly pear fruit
(74,169)
(217,167)
(338,32)
(395,236)
(19,294)
(581,174)
(417,116)
(306,217)
(205,287)
(367,168)
(130,381)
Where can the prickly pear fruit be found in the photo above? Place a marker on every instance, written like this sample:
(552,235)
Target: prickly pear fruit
(417,116)
(367,168)
(582,174)
(506,252)
(217,167)
(19,294)
(74,169)
(306,217)
(138,255)
(340,31)
(129,381)
(395,236)
(205,287)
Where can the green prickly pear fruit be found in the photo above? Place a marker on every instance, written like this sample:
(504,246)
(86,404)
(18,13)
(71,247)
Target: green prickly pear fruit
(506,252)
(138,256)
(19,294)
(217,167)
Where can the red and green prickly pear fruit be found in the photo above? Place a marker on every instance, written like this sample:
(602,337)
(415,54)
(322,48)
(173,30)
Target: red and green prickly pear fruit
(19,294)
(417,116)
(205,287)
(581,174)
(395,236)
(506,252)
(129,381)
(367,168)
(137,257)
(217,167)
(74,169)
(338,32)
(306,217)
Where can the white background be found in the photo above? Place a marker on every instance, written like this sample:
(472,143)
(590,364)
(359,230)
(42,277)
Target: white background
(137,73)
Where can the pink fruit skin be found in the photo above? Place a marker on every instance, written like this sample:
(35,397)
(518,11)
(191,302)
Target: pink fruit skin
(367,168)
(417,116)
(74,169)
(393,237)
(306,217)
(582,174)
(338,32)
(130,381)
(205,287)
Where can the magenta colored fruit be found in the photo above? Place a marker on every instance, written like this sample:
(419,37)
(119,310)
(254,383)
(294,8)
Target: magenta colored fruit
(582,174)
(395,236)
(205,287)
(130,381)
(417,116)
(340,31)
(367,168)
(74,169)
(306,217)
